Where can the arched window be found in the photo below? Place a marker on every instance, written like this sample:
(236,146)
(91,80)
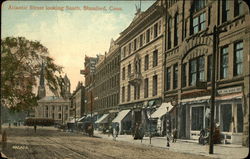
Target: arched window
(176,29)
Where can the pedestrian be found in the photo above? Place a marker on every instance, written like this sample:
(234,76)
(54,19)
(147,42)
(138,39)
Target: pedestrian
(9,125)
(4,139)
(174,135)
(35,128)
(117,130)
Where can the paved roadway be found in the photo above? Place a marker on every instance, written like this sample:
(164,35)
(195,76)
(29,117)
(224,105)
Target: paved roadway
(49,143)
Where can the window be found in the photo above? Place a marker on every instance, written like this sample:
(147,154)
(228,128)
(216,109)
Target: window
(123,73)
(226,117)
(145,87)
(184,75)
(225,11)
(129,70)
(129,48)
(148,35)
(59,115)
(141,38)
(168,78)
(193,72)
(199,4)
(199,23)
(124,52)
(196,68)
(169,32)
(238,58)
(238,8)
(155,58)
(176,30)
(154,85)
(135,44)
(129,92)
(137,92)
(175,82)
(197,118)
(239,118)
(146,60)
(155,30)
(209,69)
(224,63)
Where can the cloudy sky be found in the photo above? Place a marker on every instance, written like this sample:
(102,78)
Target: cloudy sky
(69,34)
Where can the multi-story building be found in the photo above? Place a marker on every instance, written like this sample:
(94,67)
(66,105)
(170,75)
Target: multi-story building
(188,65)
(106,83)
(141,62)
(88,73)
(77,101)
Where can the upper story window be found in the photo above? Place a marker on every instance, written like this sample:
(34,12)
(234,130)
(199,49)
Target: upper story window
(148,35)
(176,30)
(169,33)
(145,87)
(135,44)
(209,68)
(196,70)
(199,22)
(184,75)
(175,80)
(154,85)
(238,58)
(129,92)
(238,7)
(129,70)
(146,62)
(123,94)
(168,78)
(224,62)
(141,40)
(155,30)
(155,58)
(129,48)
(123,73)
(199,4)
(225,10)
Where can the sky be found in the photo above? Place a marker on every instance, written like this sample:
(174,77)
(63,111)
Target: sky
(69,29)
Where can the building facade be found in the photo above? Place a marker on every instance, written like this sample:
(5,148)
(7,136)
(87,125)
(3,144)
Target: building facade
(77,101)
(188,46)
(141,62)
(106,83)
(88,72)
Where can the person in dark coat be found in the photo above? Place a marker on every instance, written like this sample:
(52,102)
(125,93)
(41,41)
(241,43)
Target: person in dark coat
(117,130)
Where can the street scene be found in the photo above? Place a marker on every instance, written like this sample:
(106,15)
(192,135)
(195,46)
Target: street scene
(125,79)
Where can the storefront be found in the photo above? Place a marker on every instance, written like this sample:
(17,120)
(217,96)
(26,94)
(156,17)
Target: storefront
(124,120)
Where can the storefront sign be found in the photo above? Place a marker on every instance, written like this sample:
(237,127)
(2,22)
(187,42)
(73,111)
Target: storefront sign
(230,90)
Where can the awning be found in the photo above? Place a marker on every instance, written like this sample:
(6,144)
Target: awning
(80,119)
(102,119)
(121,115)
(163,109)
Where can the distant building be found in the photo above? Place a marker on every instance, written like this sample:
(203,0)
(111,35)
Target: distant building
(88,72)
(57,108)
(77,98)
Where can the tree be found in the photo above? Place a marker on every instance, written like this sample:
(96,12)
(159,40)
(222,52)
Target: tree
(21,61)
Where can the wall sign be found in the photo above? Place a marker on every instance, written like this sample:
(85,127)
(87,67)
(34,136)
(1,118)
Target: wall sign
(230,90)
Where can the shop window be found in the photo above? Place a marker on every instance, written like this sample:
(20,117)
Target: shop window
(226,117)
(225,11)
(239,118)
(175,82)
(197,118)
(155,58)
(146,62)
(145,87)
(224,63)
(238,7)
(238,58)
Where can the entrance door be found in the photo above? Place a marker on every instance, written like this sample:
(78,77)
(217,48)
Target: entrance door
(197,121)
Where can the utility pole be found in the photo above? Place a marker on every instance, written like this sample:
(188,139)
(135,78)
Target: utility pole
(215,33)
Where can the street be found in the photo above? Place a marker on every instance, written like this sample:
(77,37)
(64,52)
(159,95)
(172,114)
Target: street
(48,142)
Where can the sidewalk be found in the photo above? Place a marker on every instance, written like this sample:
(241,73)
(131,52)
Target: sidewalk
(229,151)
